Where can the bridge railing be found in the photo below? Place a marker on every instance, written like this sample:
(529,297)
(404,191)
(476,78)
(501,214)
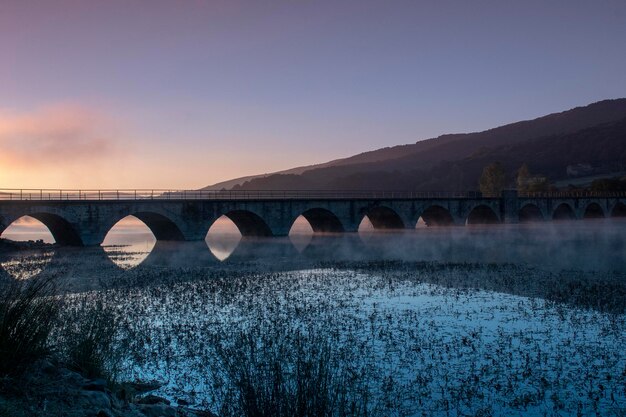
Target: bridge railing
(155,194)
(149,194)
(573,194)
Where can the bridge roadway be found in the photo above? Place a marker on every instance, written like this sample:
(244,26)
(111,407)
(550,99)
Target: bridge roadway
(78,217)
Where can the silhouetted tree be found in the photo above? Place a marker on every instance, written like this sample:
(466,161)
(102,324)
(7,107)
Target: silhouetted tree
(608,184)
(493,180)
(539,183)
(523,177)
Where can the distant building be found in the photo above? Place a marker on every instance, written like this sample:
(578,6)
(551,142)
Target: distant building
(534,183)
(579,170)
(585,169)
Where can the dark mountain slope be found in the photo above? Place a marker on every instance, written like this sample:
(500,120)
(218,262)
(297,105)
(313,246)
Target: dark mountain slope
(454,146)
(600,146)
(430,154)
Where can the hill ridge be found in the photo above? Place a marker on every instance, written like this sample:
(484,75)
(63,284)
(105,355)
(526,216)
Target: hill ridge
(429,153)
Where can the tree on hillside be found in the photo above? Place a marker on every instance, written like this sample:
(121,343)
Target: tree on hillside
(608,184)
(493,180)
(540,183)
(523,177)
(527,182)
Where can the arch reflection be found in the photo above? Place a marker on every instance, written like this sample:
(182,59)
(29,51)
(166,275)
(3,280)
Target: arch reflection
(129,242)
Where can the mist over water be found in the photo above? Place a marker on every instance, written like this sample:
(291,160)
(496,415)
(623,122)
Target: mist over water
(589,245)
(584,245)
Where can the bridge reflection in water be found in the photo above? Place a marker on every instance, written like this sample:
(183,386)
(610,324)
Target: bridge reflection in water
(594,245)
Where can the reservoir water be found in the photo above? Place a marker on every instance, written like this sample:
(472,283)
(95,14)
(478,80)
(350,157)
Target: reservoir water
(485,320)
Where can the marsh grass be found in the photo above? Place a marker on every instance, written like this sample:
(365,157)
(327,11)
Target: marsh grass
(36,322)
(281,372)
(601,291)
(88,340)
(393,339)
(28,315)
(387,338)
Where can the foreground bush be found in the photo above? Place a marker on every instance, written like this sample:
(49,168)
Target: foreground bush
(28,315)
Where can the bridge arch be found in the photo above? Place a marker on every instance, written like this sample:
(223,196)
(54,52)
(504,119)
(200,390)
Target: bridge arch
(482,214)
(593,211)
(437,215)
(249,223)
(14,228)
(4,223)
(530,213)
(563,211)
(162,227)
(619,210)
(383,217)
(60,228)
(323,220)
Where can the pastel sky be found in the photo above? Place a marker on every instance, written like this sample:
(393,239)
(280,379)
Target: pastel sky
(182,94)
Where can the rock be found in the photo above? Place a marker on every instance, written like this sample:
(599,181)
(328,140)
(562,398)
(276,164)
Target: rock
(199,413)
(48,367)
(157,410)
(144,386)
(132,411)
(116,403)
(71,377)
(124,394)
(97,400)
(96,385)
(182,402)
(153,399)
(128,391)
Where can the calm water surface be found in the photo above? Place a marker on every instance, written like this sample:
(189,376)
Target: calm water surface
(483,320)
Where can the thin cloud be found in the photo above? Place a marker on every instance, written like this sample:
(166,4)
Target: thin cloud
(60,134)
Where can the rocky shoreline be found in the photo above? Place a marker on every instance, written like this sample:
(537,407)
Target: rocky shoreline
(52,389)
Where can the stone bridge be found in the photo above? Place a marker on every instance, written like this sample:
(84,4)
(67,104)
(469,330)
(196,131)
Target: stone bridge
(85,218)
